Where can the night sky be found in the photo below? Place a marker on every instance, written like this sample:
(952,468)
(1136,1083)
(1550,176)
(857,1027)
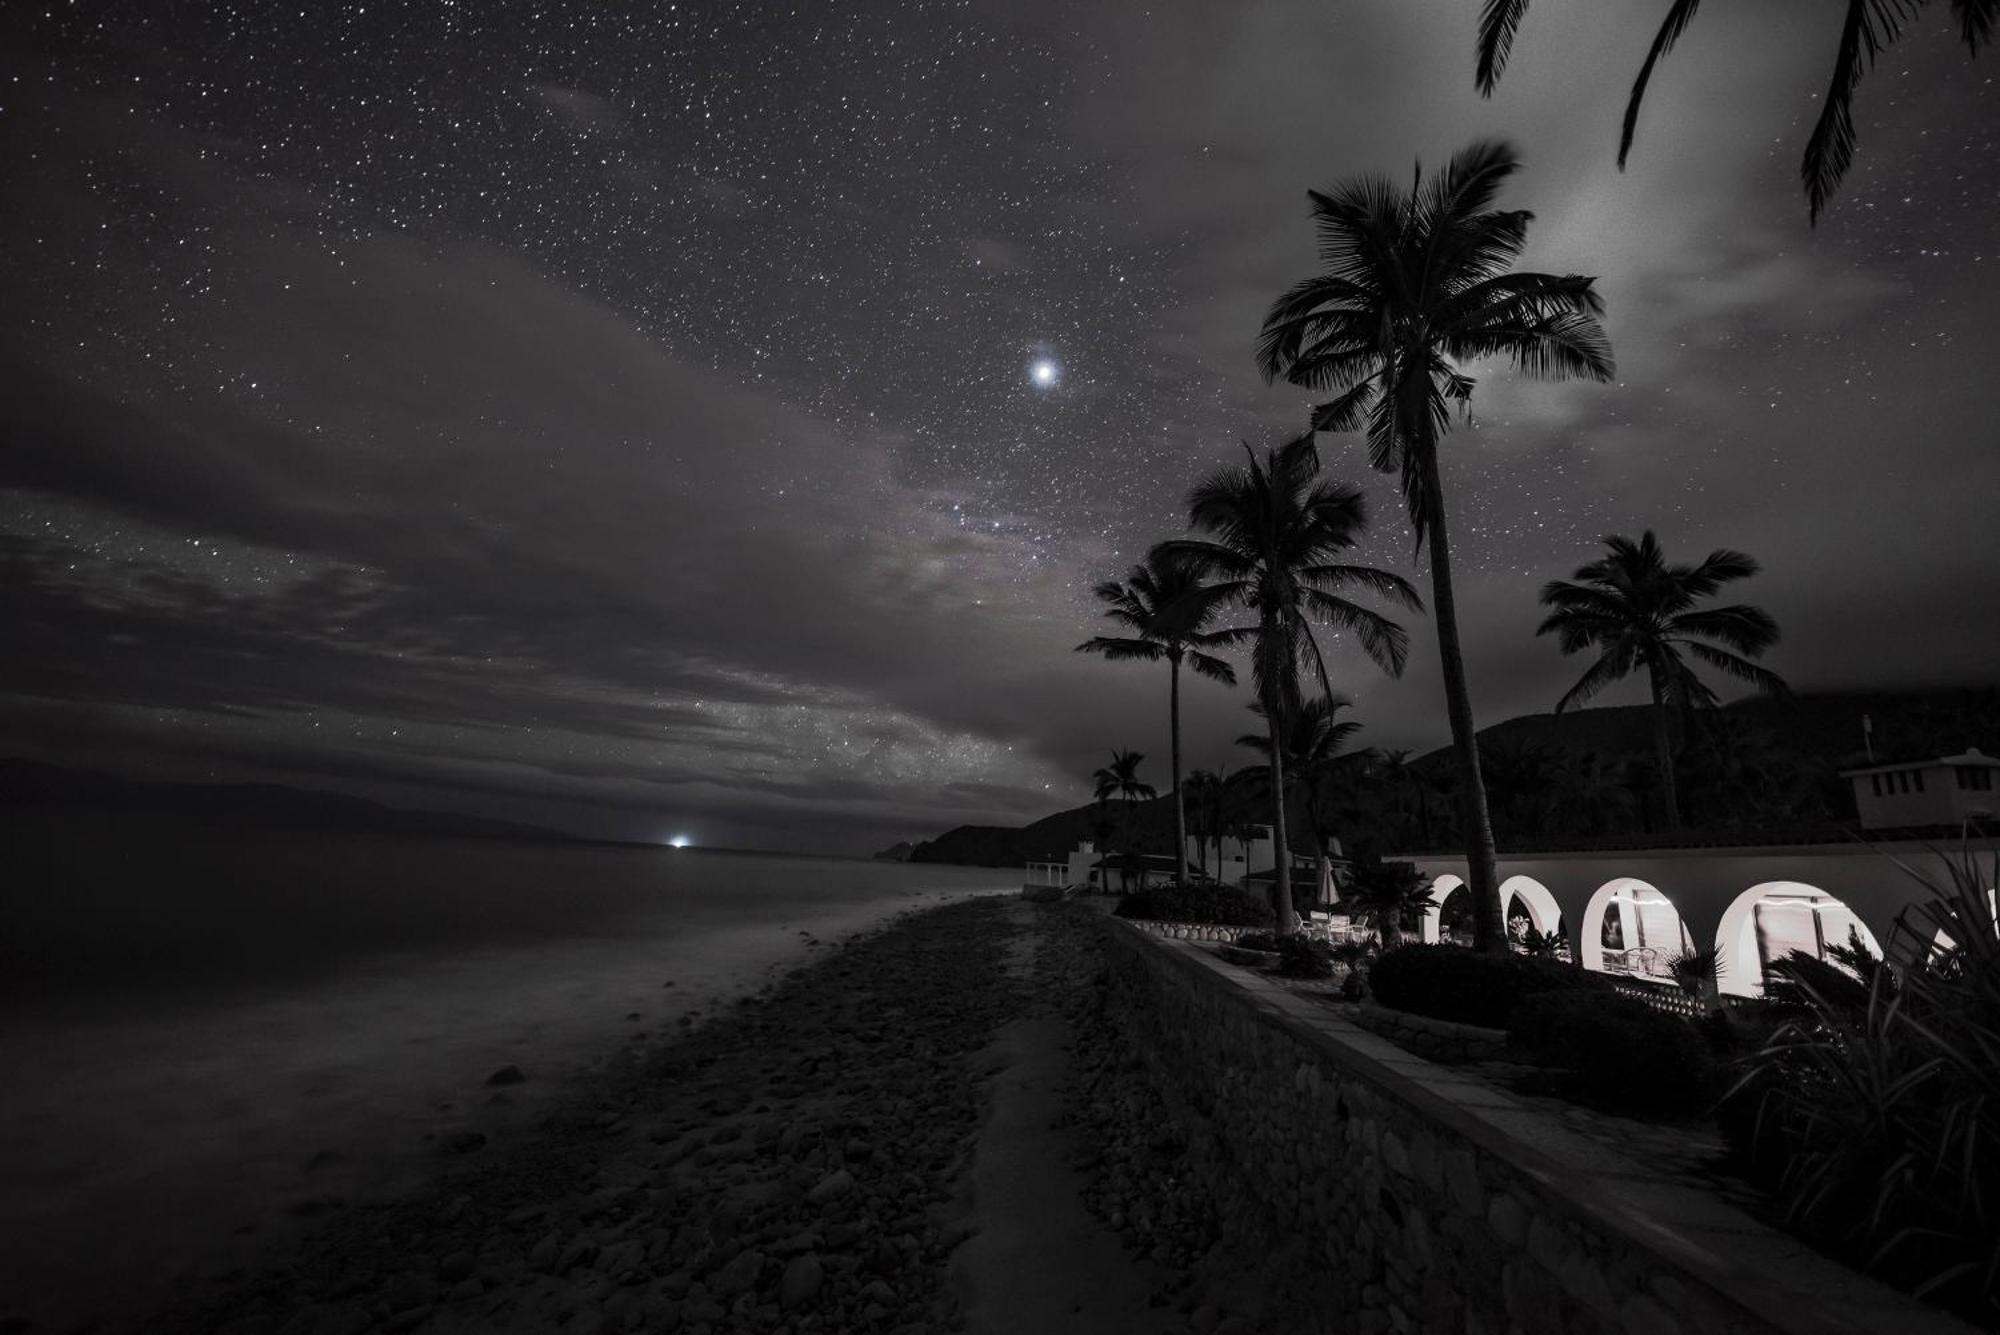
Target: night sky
(625,416)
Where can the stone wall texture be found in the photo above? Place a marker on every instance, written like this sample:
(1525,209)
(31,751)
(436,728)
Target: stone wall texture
(1400,1195)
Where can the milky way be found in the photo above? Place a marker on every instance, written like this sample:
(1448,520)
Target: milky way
(658,418)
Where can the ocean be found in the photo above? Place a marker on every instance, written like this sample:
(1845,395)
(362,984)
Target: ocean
(210,1037)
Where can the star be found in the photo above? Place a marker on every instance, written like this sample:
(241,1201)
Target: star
(1044,373)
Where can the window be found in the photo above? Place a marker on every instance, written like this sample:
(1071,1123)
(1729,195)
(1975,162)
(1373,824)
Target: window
(1918,775)
(1875,780)
(1975,778)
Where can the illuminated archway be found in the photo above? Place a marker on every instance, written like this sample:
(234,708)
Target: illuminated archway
(1773,918)
(1441,888)
(1645,926)
(1536,898)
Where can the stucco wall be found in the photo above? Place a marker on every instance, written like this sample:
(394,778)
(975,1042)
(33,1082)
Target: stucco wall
(1410,1197)
(1705,885)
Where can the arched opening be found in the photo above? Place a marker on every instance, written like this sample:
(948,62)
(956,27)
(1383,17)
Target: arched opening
(1770,920)
(1631,928)
(1441,889)
(1530,905)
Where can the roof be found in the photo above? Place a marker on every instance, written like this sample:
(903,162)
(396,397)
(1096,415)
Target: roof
(1972,756)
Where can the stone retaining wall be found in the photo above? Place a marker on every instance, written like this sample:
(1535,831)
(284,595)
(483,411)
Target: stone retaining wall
(1191,931)
(1440,1040)
(1399,1195)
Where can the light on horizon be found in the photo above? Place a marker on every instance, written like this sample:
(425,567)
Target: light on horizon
(680,841)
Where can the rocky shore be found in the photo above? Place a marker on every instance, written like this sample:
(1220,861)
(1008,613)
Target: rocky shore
(801,1162)
(788,1166)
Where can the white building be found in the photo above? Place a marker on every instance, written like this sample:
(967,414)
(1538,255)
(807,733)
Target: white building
(1242,861)
(1917,793)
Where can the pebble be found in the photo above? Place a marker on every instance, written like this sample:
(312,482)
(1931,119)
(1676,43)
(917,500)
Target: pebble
(777,1168)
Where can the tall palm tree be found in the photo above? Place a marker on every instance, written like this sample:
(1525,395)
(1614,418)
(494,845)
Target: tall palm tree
(1638,612)
(1275,532)
(1120,779)
(1315,740)
(1869,26)
(1152,602)
(1415,285)
(1205,806)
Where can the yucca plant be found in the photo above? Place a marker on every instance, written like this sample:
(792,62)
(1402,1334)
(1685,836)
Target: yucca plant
(1695,973)
(1877,1125)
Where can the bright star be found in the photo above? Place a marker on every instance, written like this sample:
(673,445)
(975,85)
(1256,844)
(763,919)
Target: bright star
(1043,373)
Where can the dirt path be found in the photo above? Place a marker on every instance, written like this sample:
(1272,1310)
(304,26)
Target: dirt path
(1040,1260)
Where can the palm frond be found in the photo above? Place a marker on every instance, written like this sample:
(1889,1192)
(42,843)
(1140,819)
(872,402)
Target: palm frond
(1765,680)
(1678,17)
(1869,26)
(1499,20)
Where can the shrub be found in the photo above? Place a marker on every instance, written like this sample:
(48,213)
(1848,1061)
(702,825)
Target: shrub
(1264,941)
(1221,905)
(1469,986)
(1305,957)
(1873,1114)
(1618,1052)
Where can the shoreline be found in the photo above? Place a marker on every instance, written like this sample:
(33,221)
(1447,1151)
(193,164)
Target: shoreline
(118,1141)
(823,1116)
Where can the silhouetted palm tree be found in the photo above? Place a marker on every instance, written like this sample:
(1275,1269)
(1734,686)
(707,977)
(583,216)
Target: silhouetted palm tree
(1205,814)
(1389,896)
(1153,603)
(1275,530)
(1315,741)
(1120,779)
(1869,26)
(1640,613)
(1415,285)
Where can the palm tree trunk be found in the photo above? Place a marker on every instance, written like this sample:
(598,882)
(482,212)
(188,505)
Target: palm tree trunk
(1180,807)
(1281,899)
(1663,756)
(1488,928)
(1322,868)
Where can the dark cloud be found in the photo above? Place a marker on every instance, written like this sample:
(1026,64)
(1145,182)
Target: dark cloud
(631,424)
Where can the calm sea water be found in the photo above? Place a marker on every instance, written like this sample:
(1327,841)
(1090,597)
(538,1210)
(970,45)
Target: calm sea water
(205,1037)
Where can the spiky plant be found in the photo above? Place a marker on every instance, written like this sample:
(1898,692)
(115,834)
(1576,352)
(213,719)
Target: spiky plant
(1878,1124)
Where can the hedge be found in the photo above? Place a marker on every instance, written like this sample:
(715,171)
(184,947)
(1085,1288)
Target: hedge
(1469,986)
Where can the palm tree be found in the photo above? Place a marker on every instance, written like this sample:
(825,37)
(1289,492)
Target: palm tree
(1120,779)
(1415,285)
(1152,602)
(1639,612)
(1869,26)
(1315,740)
(1204,799)
(1388,896)
(1275,532)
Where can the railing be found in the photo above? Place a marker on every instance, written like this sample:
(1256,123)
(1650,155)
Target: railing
(1048,873)
(1672,1000)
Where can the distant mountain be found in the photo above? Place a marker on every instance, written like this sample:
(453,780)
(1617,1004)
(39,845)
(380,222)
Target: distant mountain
(28,784)
(896,852)
(1827,728)
(1823,732)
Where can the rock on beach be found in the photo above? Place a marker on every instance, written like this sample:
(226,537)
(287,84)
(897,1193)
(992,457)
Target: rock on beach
(785,1167)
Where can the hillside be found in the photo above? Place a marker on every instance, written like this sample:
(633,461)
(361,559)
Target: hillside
(1816,735)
